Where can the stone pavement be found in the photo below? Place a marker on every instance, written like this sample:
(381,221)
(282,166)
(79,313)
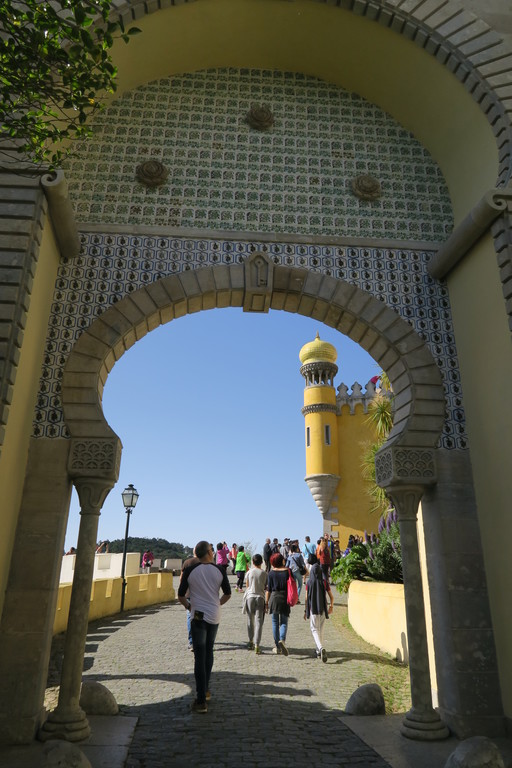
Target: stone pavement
(264,709)
(262,706)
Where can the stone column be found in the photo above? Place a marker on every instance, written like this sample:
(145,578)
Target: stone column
(68,721)
(405,473)
(422,722)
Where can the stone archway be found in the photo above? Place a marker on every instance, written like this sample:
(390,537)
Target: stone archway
(256,285)
(447,33)
(391,341)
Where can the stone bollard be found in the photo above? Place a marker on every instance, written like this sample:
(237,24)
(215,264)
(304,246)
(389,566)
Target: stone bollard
(366,700)
(62,754)
(476,752)
(96,699)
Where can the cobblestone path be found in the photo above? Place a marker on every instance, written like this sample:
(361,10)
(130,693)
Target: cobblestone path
(264,709)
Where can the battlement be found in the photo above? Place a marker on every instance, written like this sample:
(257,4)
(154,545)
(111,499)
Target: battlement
(357,396)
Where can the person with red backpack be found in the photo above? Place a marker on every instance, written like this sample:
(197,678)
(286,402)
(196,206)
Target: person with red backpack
(276,601)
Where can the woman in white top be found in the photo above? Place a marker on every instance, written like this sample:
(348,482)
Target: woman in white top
(254,602)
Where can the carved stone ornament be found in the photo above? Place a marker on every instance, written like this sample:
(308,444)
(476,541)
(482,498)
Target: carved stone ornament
(95,457)
(405,465)
(260,117)
(258,279)
(366,187)
(152,173)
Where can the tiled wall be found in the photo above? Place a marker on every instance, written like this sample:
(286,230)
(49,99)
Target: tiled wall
(110,266)
(295,178)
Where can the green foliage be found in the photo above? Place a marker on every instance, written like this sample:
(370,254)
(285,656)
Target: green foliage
(55,69)
(161,548)
(377,558)
(380,415)
(380,501)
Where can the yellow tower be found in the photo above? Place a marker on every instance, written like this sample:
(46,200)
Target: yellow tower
(319,368)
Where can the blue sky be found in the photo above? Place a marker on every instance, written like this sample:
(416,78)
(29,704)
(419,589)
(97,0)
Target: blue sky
(208,409)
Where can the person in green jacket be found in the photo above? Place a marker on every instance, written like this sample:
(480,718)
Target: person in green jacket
(242,565)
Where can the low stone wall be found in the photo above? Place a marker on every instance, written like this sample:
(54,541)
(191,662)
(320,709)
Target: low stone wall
(376,611)
(141,590)
(107,565)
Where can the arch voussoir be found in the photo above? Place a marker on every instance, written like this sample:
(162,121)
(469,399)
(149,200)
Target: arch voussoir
(389,339)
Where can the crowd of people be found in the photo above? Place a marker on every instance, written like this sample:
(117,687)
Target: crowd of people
(271,583)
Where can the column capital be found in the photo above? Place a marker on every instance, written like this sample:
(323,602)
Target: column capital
(92,492)
(397,466)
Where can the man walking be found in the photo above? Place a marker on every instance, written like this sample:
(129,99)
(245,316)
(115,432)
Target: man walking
(267,551)
(309,548)
(203,581)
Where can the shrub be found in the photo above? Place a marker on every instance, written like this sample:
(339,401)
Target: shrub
(377,558)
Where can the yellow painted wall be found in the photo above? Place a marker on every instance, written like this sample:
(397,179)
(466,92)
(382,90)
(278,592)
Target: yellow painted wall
(141,590)
(485,358)
(353,501)
(320,457)
(376,611)
(14,454)
(335,45)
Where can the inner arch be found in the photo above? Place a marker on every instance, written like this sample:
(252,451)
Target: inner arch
(392,342)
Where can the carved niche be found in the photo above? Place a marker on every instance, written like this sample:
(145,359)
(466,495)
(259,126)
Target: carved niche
(258,283)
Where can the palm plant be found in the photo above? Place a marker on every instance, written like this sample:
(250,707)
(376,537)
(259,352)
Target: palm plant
(380,415)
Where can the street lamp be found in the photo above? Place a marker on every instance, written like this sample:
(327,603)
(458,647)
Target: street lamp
(130,496)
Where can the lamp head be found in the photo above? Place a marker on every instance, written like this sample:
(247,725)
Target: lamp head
(130,496)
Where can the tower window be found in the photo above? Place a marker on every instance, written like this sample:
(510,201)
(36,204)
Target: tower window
(308,437)
(327,434)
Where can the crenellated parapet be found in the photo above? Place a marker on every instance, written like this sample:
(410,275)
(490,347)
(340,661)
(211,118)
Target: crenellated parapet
(358,397)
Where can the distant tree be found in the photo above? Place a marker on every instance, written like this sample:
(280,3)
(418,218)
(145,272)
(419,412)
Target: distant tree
(55,69)
(161,548)
(250,548)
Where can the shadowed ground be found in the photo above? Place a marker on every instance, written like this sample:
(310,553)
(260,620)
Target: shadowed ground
(261,705)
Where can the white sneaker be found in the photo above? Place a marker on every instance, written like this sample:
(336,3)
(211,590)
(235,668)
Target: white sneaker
(284,649)
(276,650)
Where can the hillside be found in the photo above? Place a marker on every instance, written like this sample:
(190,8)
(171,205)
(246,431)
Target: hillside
(161,548)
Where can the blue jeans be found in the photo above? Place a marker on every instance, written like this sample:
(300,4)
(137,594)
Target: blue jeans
(203,639)
(279,626)
(189,630)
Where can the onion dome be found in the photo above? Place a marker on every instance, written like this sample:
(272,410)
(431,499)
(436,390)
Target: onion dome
(318,351)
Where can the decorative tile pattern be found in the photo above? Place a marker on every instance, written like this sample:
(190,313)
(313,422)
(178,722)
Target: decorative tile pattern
(295,178)
(110,266)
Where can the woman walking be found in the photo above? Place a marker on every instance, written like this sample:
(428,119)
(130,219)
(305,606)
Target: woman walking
(254,602)
(324,557)
(316,610)
(276,602)
(296,564)
(233,552)
(242,565)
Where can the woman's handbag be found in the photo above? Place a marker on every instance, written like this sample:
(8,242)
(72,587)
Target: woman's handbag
(292,594)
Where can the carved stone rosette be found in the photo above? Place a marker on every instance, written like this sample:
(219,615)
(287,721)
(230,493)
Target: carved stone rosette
(260,117)
(366,187)
(405,466)
(151,173)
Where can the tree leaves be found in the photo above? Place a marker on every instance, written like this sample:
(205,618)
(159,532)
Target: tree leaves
(55,71)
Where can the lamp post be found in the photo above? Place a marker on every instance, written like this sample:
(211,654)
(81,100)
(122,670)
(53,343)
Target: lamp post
(130,496)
